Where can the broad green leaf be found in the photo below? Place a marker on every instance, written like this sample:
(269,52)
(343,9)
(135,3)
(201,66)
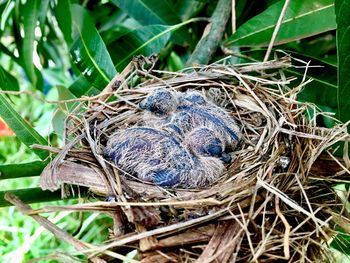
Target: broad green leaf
(342,9)
(302,19)
(119,30)
(80,86)
(10,171)
(146,40)
(189,8)
(31,11)
(7,81)
(110,22)
(149,12)
(323,88)
(153,12)
(21,128)
(64,19)
(341,242)
(88,50)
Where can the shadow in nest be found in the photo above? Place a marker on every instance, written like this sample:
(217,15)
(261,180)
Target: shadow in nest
(274,202)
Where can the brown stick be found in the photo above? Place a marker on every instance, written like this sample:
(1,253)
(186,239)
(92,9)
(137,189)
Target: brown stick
(212,35)
(59,233)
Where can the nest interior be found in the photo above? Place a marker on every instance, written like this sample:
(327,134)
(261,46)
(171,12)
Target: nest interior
(274,202)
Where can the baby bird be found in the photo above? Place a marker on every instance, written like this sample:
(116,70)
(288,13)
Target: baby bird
(155,156)
(187,111)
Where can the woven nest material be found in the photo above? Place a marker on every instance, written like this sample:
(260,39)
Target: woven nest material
(274,202)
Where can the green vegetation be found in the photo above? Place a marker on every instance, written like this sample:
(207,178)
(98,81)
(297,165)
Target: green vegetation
(62,49)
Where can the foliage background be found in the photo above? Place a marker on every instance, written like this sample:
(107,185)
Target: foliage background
(54,50)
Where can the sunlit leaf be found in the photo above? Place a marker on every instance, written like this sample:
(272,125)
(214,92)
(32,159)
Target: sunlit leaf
(31,10)
(27,134)
(343,44)
(5,14)
(88,50)
(302,19)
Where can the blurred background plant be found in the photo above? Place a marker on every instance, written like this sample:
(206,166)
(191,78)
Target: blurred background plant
(54,50)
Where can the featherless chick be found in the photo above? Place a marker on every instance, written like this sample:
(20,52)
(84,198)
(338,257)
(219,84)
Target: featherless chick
(156,156)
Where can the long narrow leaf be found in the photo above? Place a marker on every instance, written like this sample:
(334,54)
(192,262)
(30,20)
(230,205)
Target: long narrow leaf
(10,171)
(31,11)
(79,87)
(302,19)
(343,46)
(64,19)
(23,130)
(149,12)
(88,51)
(145,41)
(31,195)
(153,12)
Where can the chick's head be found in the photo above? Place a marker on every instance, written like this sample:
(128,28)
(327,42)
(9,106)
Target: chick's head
(160,101)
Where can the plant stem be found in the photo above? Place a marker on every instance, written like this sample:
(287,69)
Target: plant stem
(212,34)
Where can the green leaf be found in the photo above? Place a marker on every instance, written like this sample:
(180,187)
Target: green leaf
(153,12)
(31,195)
(146,40)
(6,51)
(5,14)
(149,12)
(64,19)
(302,19)
(7,81)
(175,62)
(31,11)
(189,8)
(88,50)
(341,242)
(43,10)
(342,9)
(21,128)
(81,86)
(323,88)
(10,171)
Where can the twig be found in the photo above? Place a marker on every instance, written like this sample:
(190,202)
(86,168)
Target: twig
(59,233)
(287,231)
(233,16)
(212,34)
(277,28)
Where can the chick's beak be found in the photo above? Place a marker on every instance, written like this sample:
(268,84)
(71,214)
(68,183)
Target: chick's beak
(226,158)
(142,104)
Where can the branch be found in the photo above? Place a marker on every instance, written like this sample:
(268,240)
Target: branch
(212,35)
(59,233)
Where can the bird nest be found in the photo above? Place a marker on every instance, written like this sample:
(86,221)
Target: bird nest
(273,202)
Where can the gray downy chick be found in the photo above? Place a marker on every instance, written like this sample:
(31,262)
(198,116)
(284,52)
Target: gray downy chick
(183,112)
(155,156)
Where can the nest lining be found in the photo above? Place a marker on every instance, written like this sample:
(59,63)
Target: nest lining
(274,201)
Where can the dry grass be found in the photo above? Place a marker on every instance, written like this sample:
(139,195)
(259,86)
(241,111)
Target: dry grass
(275,202)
